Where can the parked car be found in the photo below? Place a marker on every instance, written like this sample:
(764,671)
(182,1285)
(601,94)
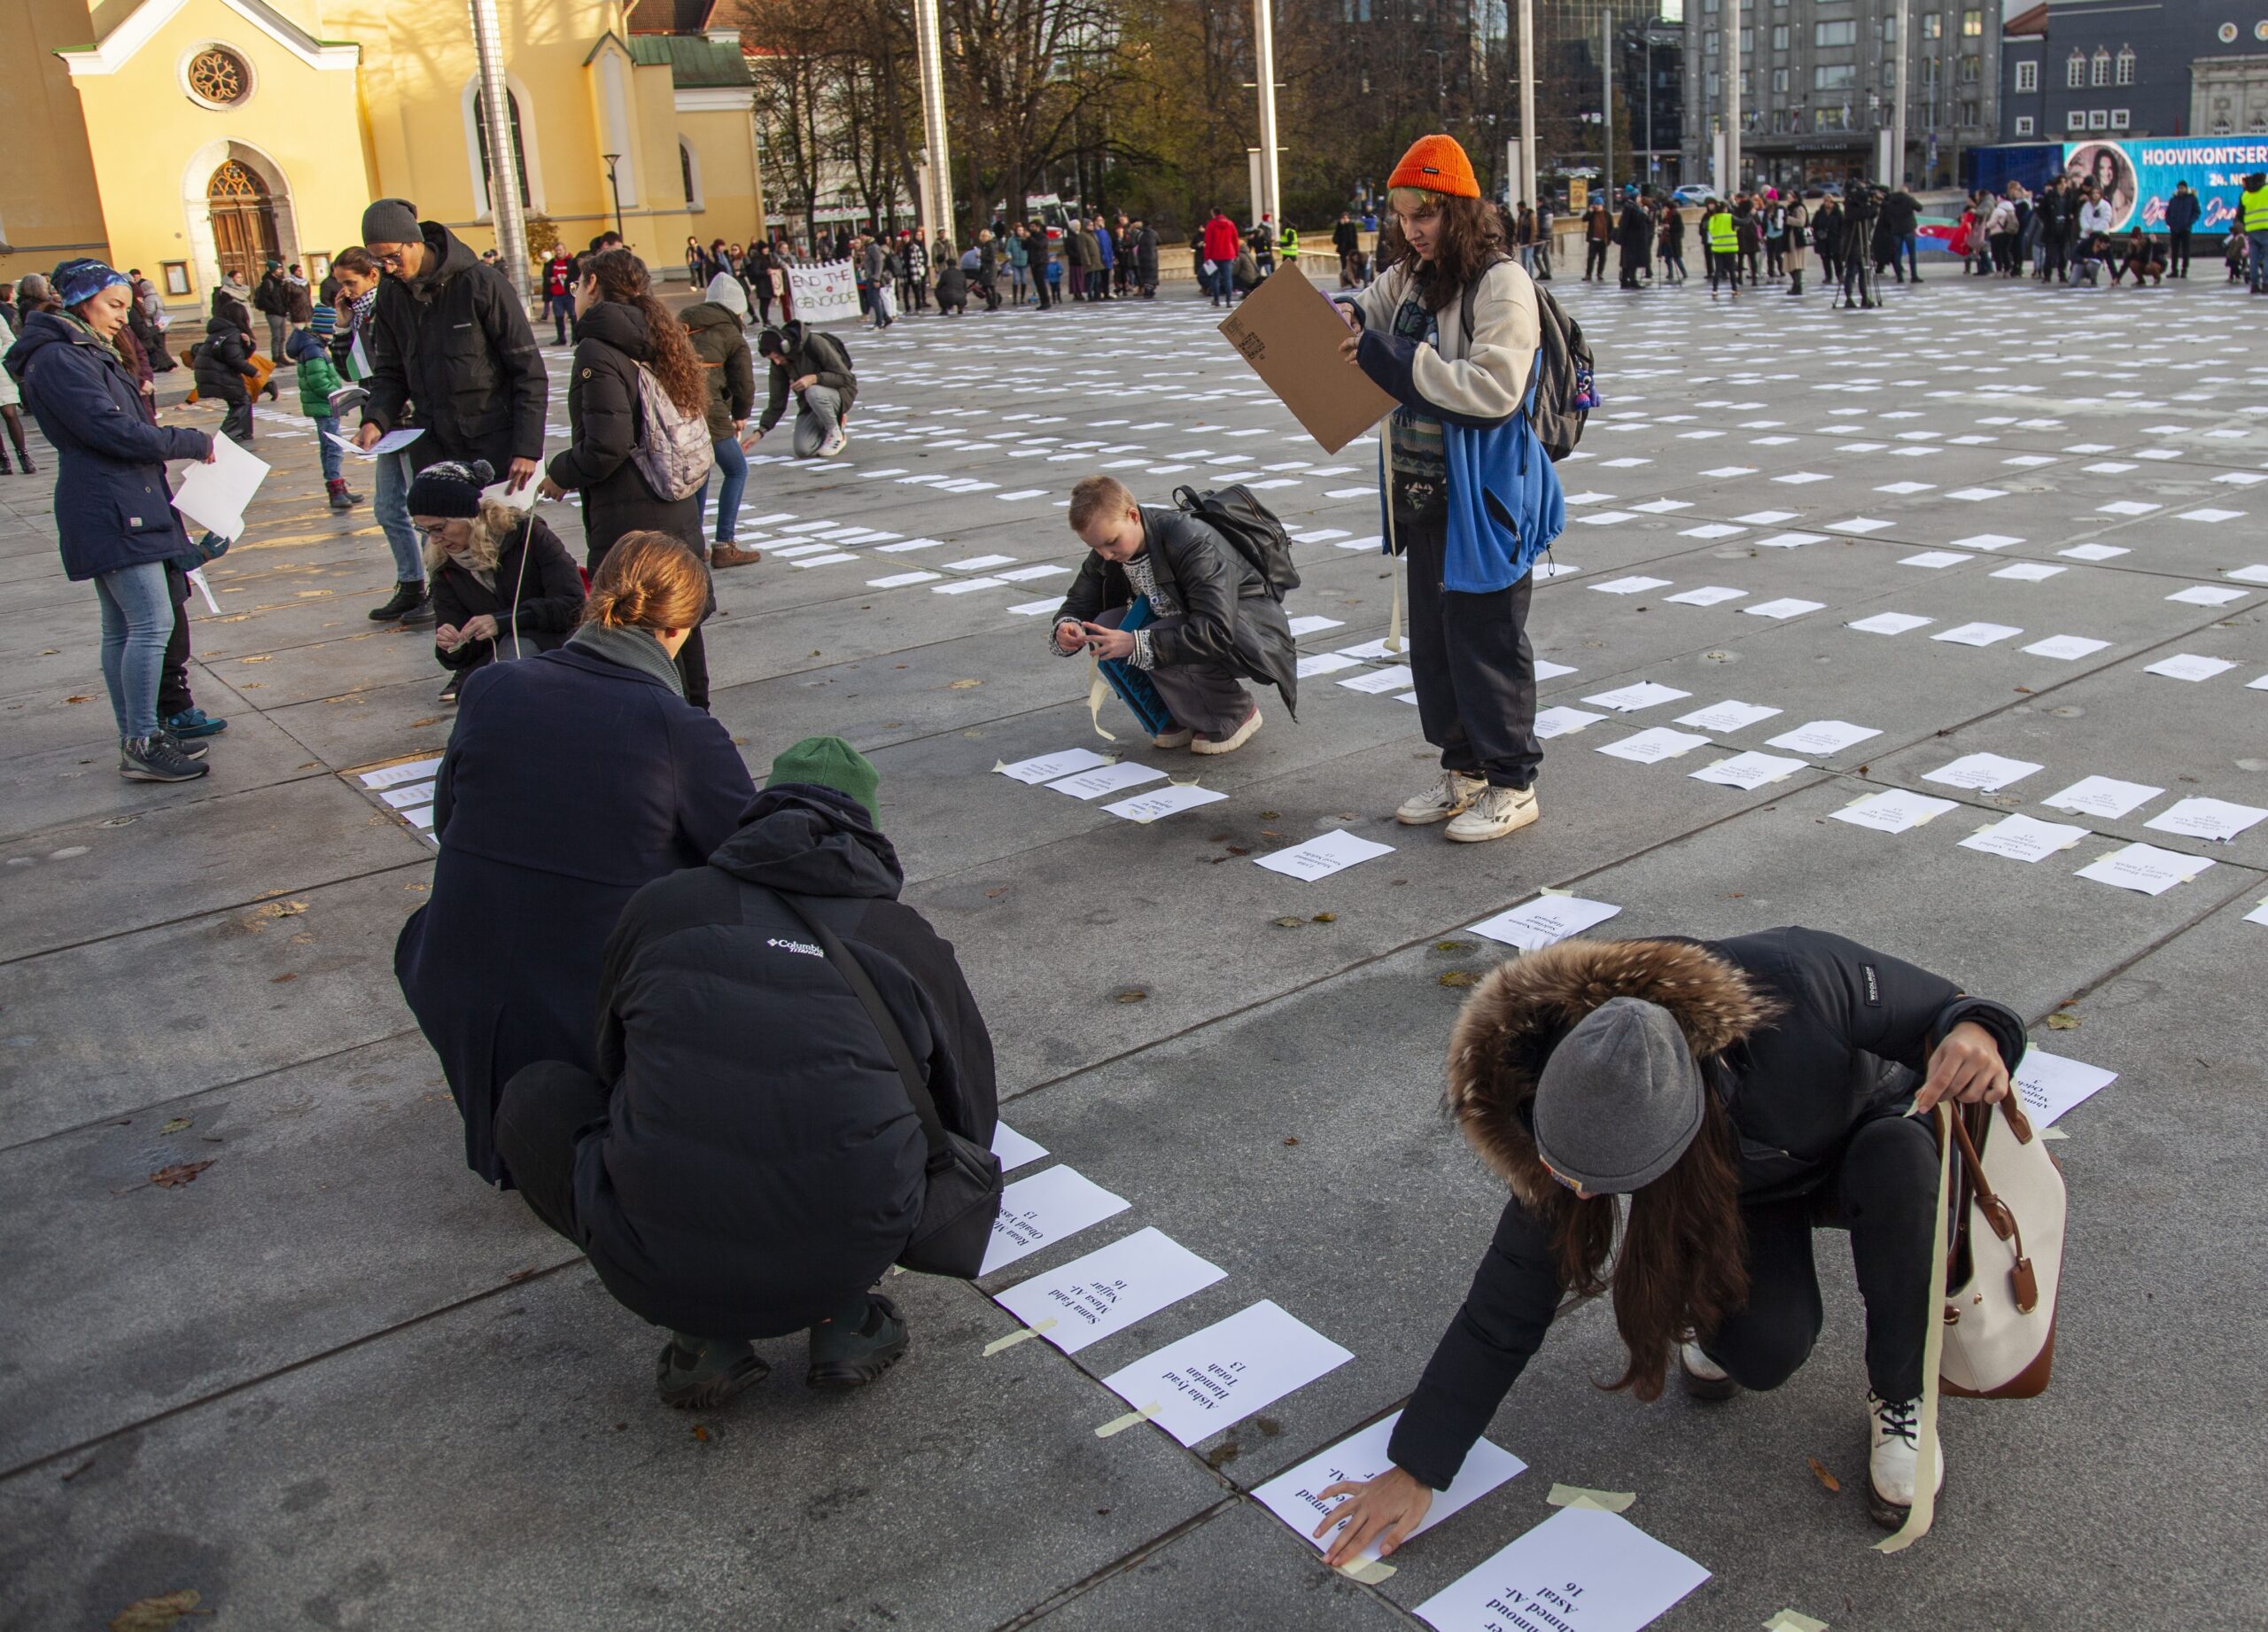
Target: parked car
(1690,195)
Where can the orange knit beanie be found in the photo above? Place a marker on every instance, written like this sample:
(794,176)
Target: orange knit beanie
(1437,164)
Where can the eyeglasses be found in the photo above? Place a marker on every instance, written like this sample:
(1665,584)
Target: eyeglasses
(439,529)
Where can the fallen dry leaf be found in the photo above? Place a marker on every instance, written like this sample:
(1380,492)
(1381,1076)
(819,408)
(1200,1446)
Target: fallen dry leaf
(278,980)
(1458,977)
(178,1174)
(1452,946)
(1326,918)
(1819,1471)
(1289,923)
(1293,1139)
(959,685)
(157,1614)
(699,1431)
(1132,994)
(995,893)
(175,1125)
(77,699)
(2062,1021)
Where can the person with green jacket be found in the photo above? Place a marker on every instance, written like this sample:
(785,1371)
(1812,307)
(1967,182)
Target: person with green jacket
(323,393)
(716,326)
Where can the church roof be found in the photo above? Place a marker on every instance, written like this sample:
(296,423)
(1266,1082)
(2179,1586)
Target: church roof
(693,60)
(670,16)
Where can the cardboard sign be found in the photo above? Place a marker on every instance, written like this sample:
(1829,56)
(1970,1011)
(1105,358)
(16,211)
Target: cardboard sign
(1287,330)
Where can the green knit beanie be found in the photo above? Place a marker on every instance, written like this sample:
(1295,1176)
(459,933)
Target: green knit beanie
(830,762)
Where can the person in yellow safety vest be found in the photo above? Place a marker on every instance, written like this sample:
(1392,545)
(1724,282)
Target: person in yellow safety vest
(1288,244)
(1721,234)
(2252,207)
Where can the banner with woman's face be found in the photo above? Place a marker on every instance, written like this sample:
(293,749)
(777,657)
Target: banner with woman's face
(2137,177)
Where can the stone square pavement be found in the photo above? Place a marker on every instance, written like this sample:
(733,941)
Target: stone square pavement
(334,1382)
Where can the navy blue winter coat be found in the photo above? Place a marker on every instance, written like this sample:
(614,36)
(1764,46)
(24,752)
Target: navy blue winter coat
(113,506)
(569,782)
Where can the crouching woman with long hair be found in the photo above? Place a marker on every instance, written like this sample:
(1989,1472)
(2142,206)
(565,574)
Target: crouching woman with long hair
(1741,1094)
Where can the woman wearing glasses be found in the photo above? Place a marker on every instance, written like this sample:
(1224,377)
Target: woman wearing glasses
(504,585)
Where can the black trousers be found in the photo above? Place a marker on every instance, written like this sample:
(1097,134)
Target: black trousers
(1473,667)
(173,674)
(2177,251)
(1593,259)
(541,1114)
(1881,1194)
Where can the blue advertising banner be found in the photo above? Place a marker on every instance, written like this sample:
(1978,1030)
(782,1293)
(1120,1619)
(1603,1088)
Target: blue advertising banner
(2138,176)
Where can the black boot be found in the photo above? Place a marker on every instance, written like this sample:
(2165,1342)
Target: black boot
(410,605)
(1795,283)
(845,1358)
(701,1373)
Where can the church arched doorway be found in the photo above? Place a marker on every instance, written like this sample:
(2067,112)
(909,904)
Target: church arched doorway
(243,221)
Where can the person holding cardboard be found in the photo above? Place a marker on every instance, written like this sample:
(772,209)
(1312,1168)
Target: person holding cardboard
(1449,331)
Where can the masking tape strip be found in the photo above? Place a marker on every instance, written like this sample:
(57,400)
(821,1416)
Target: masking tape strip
(2054,1133)
(1098,694)
(1794,1621)
(1924,1509)
(1014,1337)
(1370,1571)
(1604,1500)
(1119,1425)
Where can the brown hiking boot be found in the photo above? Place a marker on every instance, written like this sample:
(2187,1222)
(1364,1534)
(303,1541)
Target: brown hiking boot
(722,555)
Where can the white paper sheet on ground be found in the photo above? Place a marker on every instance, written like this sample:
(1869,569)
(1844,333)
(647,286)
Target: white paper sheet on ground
(1581,1567)
(1635,586)
(1562,720)
(395,775)
(2029,571)
(1109,1289)
(1749,771)
(909,545)
(2094,552)
(1708,595)
(1047,768)
(2257,574)
(1790,540)
(1313,623)
(2024,838)
(1547,669)
(1375,652)
(1731,715)
(1630,699)
(2258,914)
(2190,666)
(214,495)
(2206,818)
(1787,606)
(1222,1374)
(966,586)
(2209,594)
(391,442)
(1823,738)
(1534,925)
(1045,1209)
(1013,1149)
(2066,648)
(1023,575)
(1326,663)
(1894,811)
(1890,623)
(407,794)
(832,558)
(1028,609)
(1655,744)
(1292,1496)
(898,580)
(1093,783)
(1148,807)
(2049,1084)
(418,816)
(2146,869)
(1935,558)
(1978,633)
(1327,853)
(1396,679)
(1986,773)
(2102,795)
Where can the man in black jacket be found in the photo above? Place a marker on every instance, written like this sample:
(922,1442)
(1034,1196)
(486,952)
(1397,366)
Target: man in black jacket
(272,301)
(2180,221)
(1212,621)
(449,335)
(1794,1057)
(1901,216)
(748,1162)
(813,368)
(1347,238)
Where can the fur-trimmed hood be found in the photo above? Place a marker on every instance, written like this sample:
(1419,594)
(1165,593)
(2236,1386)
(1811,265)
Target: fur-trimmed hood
(1516,1017)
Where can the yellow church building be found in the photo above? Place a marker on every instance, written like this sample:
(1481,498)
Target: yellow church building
(182,136)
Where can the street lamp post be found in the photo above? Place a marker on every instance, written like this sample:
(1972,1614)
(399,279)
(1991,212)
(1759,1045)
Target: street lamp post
(614,187)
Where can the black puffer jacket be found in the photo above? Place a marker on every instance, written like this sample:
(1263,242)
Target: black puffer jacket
(809,353)
(223,365)
(1229,615)
(455,340)
(761,1161)
(1800,1033)
(531,566)
(603,418)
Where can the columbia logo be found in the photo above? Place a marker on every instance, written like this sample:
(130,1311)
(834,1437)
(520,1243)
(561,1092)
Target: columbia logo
(805,947)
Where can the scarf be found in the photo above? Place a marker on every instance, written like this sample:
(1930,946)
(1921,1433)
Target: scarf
(87,329)
(631,648)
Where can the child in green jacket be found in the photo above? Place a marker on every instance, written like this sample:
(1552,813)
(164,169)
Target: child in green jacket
(318,383)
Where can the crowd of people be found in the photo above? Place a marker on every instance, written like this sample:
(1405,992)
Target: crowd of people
(787,1068)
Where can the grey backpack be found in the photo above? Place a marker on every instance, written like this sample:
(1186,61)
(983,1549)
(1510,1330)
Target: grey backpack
(675,456)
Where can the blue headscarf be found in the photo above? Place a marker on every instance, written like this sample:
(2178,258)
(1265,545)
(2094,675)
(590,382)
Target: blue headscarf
(84,278)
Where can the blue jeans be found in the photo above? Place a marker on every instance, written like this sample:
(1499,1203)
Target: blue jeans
(137,620)
(390,505)
(732,466)
(334,464)
(1910,245)
(2256,244)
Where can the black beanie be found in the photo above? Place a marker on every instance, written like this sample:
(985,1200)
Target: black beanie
(391,221)
(449,488)
(770,341)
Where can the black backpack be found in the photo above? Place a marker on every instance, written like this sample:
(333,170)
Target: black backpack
(1250,526)
(1566,385)
(835,340)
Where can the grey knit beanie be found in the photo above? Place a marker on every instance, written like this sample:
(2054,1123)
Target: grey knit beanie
(391,221)
(1619,1099)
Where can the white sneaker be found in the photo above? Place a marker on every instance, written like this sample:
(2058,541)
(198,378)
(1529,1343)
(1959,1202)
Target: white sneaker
(1229,744)
(1893,1454)
(1178,737)
(1445,798)
(1497,811)
(1704,1379)
(834,444)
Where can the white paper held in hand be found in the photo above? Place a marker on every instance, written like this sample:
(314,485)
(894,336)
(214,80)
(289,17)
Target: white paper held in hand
(1292,1496)
(391,442)
(214,495)
(2049,1084)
